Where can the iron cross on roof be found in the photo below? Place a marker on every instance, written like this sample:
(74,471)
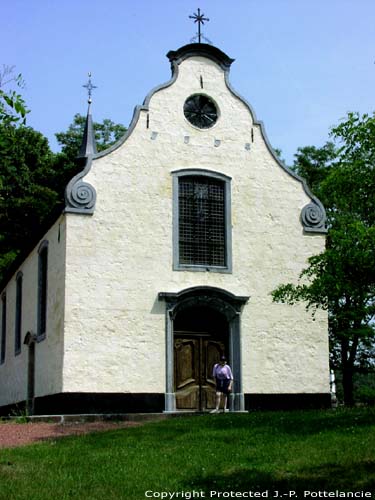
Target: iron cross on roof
(89,86)
(200,19)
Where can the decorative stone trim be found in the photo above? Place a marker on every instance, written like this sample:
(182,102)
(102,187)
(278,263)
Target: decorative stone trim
(217,298)
(201,50)
(80,196)
(313,217)
(137,113)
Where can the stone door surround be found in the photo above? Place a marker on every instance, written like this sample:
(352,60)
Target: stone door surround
(226,303)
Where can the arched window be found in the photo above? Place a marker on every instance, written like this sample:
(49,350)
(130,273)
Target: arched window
(3,327)
(202,236)
(42,289)
(18,322)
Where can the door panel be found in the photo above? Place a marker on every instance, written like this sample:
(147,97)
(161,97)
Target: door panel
(187,373)
(194,358)
(186,368)
(211,353)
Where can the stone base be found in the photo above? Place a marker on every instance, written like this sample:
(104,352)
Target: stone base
(90,403)
(287,401)
(127,403)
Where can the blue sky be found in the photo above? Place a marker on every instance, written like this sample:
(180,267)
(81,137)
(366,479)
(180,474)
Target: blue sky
(301,64)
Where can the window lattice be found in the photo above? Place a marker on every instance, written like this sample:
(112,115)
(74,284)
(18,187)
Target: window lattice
(202,221)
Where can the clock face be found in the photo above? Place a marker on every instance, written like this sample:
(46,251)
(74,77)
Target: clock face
(200,111)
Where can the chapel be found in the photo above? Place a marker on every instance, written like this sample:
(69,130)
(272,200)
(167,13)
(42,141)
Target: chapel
(163,260)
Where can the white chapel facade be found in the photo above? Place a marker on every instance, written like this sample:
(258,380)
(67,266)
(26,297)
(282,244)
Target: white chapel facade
(164,259)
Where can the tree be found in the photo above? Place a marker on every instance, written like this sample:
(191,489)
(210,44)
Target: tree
(313,164)
(342,278)
(106,134)
(26,194)
(12,106)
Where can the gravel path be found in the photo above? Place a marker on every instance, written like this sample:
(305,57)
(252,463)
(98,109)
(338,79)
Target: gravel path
(13,434)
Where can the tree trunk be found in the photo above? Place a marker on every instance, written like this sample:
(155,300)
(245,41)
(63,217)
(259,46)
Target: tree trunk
(347,372)
(348,385)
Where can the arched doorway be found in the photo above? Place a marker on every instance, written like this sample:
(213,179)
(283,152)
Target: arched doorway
(201,337)
(196,309)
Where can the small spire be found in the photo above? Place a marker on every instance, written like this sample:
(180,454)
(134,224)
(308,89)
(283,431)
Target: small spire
(88,146)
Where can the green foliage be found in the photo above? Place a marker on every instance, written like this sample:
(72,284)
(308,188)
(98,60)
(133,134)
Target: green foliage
(350,187)
(106,134)
(19,415)
(26,194)
(342,278)
(364,387)
(365,384)
(313,164)
(260,451)
(13,109)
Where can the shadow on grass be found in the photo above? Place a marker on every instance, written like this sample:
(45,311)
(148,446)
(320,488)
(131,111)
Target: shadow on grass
(264,425)
(297,422)
(329,477)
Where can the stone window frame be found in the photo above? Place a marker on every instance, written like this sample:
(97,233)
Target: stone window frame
(3,327)
(42,291)
(18,318)
(196,172)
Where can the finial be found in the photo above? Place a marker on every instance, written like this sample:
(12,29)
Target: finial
(89,86)
(88,146)
(200,19)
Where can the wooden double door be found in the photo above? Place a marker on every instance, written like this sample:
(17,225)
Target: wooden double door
(195,354)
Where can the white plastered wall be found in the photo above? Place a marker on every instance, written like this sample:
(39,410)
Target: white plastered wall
(120,258)
(48,352)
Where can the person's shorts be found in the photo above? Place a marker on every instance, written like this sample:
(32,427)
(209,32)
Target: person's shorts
(222,385)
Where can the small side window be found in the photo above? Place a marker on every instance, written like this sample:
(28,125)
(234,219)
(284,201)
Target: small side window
(42,289)
(3,327)
(18,322)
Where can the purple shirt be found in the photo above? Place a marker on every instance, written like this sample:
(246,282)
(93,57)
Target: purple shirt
(222,372)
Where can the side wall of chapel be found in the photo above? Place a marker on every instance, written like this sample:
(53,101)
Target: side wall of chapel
(49,351)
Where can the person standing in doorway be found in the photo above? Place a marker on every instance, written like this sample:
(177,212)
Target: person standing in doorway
(223,376)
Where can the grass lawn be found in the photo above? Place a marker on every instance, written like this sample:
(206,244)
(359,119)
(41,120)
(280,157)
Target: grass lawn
(258,452)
